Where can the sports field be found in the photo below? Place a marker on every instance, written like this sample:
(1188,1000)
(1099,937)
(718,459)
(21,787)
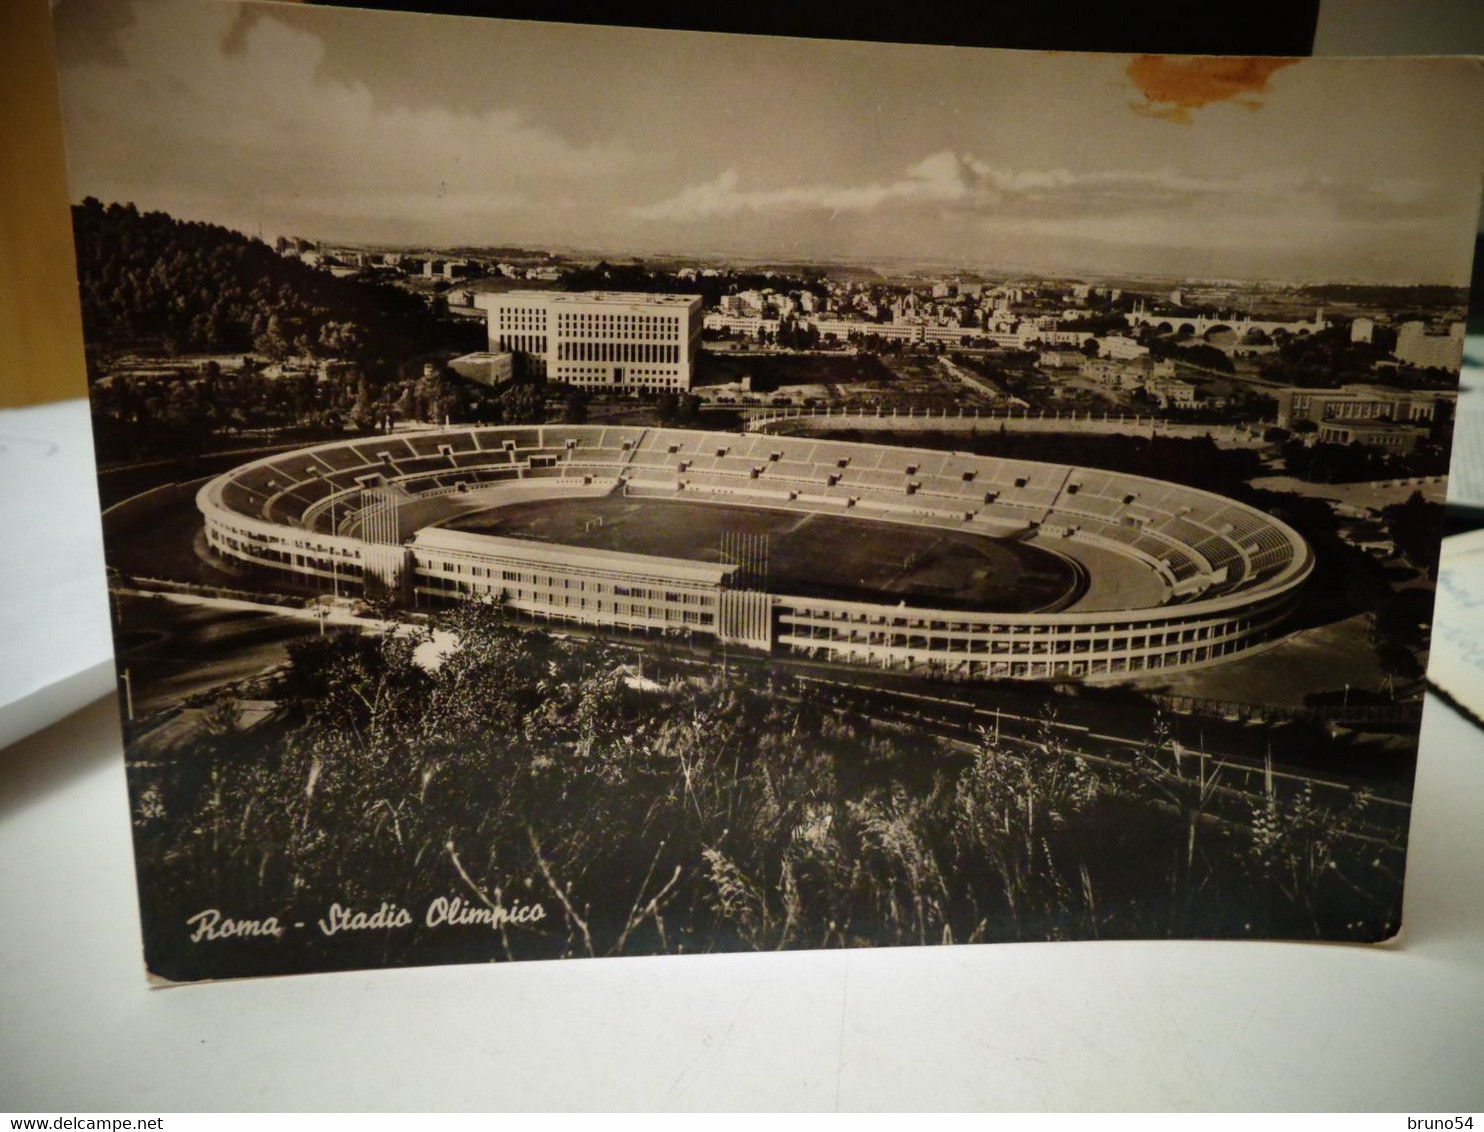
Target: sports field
(813,555)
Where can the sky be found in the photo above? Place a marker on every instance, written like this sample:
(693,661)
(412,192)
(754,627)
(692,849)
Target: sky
(347,125)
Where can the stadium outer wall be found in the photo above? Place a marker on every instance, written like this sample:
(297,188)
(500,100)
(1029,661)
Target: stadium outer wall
(338,514)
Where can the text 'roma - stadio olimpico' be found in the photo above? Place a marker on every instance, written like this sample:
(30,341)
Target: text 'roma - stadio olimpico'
(1172,577)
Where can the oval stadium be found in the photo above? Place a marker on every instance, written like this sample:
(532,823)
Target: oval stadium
(943,563)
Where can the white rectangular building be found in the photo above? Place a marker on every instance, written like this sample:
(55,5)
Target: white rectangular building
(1416,347)
(599,339)
(573,583)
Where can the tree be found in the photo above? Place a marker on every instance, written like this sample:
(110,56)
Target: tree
(341,340)
(436,397)
(149,278)
(273,342)
(381,596)
(1416,527)
(574,410)
(522,403)
(363,408)
(1398,660)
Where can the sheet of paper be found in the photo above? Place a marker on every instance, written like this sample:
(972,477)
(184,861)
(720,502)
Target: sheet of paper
(1457,663)
(1466,481)
(57,652)
(885,522)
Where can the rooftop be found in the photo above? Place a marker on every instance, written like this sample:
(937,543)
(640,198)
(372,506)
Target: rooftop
(649,565)
(617,298)
(1385,392)
(1377,426)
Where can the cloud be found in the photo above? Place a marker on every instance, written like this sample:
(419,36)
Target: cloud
(1172,88)
(1020,181)
(950,200)
(941,178)
(953,182)
(238,114)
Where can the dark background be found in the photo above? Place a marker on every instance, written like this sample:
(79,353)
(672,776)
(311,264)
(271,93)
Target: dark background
(1180,27)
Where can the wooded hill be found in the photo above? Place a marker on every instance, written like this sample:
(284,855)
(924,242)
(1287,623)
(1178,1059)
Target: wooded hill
(150,281)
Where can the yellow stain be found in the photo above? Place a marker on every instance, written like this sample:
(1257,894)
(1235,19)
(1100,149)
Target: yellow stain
(1173,87)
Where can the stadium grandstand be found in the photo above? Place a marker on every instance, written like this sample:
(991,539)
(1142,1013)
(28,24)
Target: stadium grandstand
(1171,577)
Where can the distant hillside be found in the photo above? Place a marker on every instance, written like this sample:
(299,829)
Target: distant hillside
(1388,296)
(605,276)
(148,280)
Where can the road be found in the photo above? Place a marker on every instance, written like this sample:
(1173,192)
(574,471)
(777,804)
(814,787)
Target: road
(176,645)
(174,650)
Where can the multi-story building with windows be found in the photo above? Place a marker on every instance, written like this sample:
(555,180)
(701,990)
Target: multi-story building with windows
(1121,347)
(846,329)
(1416,347)
(752,325)
(598,339)
(1359,403)
(1172,392)
(1374,434)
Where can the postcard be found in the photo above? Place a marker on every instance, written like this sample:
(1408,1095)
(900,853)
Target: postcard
(587,491)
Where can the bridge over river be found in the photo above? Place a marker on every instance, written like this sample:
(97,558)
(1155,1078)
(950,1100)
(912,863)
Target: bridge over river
(1201,325)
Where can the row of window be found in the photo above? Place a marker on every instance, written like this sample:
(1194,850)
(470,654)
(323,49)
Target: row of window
(1038,668)
(1017,647)
(284,559)
(564,604)
(630,379)
(522,317)
(247,542)
(841,618)
(1036,635)
(523,343)
(576,351)
(566,582)
(621,326)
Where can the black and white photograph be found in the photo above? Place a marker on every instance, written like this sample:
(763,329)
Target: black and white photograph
(576,491)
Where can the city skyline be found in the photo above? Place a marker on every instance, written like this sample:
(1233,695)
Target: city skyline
(322,122)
